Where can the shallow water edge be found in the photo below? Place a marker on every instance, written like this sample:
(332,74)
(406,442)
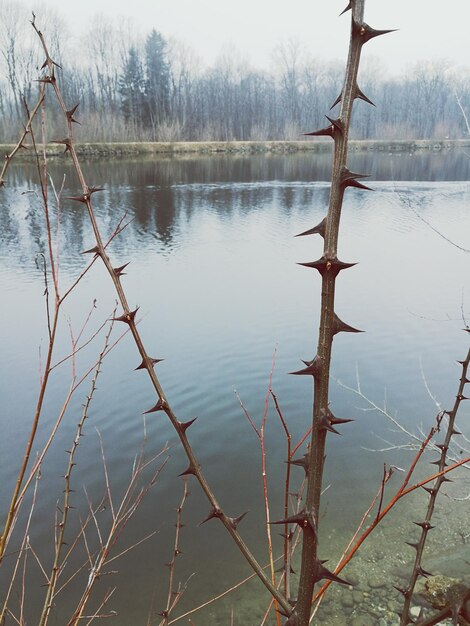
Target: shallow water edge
(247,147)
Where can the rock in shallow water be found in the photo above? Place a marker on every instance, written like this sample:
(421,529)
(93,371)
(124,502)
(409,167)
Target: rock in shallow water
(440,591)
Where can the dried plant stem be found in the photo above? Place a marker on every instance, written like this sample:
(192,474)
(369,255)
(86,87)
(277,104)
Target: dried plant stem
(147,362)
(174,595)
(13,508)
(287,537)
(21,553)
(26,130)
(120,516)
(59,543)
(260,433)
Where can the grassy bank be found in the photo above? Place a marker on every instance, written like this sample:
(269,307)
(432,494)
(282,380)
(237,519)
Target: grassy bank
(245,147)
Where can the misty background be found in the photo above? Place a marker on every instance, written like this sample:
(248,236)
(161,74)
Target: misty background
(134,83)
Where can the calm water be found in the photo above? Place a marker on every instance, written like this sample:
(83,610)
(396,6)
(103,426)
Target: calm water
(213,268)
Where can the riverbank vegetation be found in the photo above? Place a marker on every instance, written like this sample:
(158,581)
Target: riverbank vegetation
(301,518)
(143,87)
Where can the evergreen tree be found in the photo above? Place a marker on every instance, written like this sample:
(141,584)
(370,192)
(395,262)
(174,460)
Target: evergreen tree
(157,82)
(132,89)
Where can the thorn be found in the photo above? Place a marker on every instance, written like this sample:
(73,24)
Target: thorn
(91,190)
(430,490)
(304,519)
(412,545)
(94,250)
(404,592)
(341,327)
(83,198)
(189,471)
(338,99)
(444,479)
(337,124)
(455,432)
(437,462)
(49,60)
(366,32)
(461,397)
(213,513)
(324,422)
(126,317)
(338,420)
(442,447)
(331,266)
(359,94)
(153,362)
(185,425)
(424,525)
(160,406)
(234,521)
(313,368)
(302,462)
(65,142)
(318,229)
(348,8)
(335,129)
(349,179)
(71,112)
(118,271)
(321,572)
(423,572)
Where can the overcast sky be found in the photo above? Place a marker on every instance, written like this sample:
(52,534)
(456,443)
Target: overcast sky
(428,29)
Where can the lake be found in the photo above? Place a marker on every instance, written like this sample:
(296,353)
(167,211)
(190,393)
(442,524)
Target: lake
(213,268)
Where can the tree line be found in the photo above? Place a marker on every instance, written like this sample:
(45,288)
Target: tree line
(135,87)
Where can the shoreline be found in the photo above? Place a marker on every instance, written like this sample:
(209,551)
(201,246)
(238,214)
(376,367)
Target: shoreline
(144,148)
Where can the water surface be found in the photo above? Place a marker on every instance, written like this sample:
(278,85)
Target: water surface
(213,269)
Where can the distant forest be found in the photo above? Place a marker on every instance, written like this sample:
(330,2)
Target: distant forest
(145,88)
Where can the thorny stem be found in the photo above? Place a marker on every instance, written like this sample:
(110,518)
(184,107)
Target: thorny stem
(147,362)
(329,268)
(22,552)
(402,491)
(287,553)
(53,578)
(27,129)
(52,334)
(260,433)
(433,492)
(120,517)
(175,595)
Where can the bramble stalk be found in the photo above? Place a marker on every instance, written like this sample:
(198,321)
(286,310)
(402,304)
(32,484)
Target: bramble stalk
(329,266)
(128,317)
(59,543)
(433,491)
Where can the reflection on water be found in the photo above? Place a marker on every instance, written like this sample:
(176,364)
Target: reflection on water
(213,269)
